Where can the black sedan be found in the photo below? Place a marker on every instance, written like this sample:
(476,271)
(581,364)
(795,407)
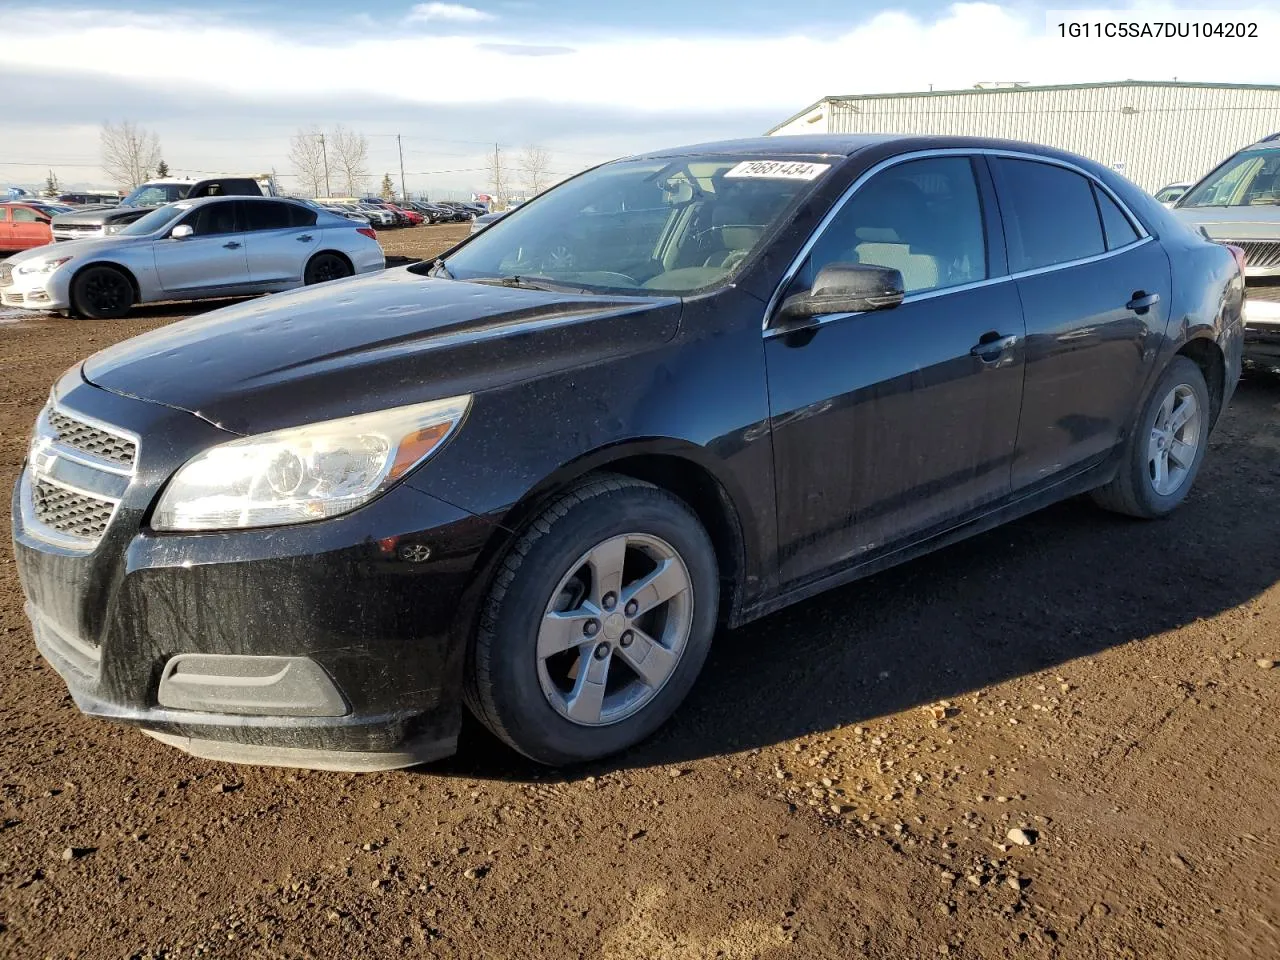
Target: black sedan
(677,392)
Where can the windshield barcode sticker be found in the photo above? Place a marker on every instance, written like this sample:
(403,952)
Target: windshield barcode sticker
(779,169)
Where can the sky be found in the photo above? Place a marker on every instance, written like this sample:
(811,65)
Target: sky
(226,84)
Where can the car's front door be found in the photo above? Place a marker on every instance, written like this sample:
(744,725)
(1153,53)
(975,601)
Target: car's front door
(279,238)
(29,228)
(6,230)
(1095,293)
(211,259)
(892,423)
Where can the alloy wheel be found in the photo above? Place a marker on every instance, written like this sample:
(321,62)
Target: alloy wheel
(1175,440)
(107,291)
(615,629)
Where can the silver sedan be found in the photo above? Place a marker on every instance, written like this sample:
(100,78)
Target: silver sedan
(189,250)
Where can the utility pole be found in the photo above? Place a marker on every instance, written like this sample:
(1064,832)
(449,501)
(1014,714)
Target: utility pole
(325,153)
(404,194)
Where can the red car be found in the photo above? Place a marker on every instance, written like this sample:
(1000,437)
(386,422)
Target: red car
(413,216)
(25,224)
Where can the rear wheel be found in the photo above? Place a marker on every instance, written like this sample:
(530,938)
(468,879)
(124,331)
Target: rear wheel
(597,624)
(1164,453)
(101,293)
(326,266)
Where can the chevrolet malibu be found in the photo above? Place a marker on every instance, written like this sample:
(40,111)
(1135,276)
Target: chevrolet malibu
(189,250)
(677,392)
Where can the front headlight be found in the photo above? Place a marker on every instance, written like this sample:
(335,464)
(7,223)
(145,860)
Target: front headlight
(41,266)
(305,473)
(113,228)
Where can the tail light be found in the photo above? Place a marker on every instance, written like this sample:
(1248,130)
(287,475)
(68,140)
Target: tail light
(1238,253)
(369,232)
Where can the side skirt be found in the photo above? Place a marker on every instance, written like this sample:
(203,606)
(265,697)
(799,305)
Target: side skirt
(1074,485)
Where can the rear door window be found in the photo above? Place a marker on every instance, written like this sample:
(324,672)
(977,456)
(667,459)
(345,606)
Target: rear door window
(1049,212)
(1116,228)
(267,215)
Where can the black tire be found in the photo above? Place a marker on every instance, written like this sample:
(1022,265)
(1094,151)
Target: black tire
(502,685)
(1132,491)
(101,292)
(326,266)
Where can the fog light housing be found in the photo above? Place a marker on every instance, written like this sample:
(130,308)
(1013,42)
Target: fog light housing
(250,686)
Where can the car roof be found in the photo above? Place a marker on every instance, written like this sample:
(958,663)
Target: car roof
(846,145)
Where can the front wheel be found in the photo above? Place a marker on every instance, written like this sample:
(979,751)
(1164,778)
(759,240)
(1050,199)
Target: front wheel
(101,293)
(1163,455)
(326,266)
(597,623)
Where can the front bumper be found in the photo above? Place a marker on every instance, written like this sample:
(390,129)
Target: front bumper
(39,291)
(333,644)
(1262,329)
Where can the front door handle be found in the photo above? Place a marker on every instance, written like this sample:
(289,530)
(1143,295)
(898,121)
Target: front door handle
(991,345)
(305,238)
(233,245)
(1142,301)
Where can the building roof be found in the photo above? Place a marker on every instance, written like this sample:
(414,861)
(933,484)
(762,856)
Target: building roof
(1174,84)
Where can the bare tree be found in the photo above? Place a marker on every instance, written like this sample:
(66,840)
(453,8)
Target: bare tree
(306,153)
(535,163)
(129,153)
(349,152)
(498,177)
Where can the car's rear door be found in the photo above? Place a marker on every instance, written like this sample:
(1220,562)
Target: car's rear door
(280,238)
(6,229)
(209,260)
(1095,292)
(891,423)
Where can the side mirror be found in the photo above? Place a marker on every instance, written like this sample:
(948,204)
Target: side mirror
(846,288)
(181,231)
(46,220)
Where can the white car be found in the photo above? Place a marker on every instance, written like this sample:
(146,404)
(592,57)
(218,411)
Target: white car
(1171,193)
(376,215)
(189,250)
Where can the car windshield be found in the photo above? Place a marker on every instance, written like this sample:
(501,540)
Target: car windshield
(154,194)
(1251,177)
(157,219)
(660,226)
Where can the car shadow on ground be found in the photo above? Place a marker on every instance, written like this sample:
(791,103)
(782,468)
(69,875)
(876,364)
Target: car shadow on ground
(1067,582)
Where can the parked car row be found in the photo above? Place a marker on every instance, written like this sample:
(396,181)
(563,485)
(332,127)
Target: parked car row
(222,246)
(104,221)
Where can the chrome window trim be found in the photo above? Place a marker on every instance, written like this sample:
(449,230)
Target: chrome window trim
(798,261)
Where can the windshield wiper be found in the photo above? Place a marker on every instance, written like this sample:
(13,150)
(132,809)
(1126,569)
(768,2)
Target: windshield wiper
(438,268)
(532,283)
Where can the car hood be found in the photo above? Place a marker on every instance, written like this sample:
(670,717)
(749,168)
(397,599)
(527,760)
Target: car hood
(367,343)
(89,247)
(1234,223)
(114,214)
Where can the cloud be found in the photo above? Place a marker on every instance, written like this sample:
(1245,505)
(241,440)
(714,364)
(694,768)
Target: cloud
(453,12)
(581,87)
(524,49)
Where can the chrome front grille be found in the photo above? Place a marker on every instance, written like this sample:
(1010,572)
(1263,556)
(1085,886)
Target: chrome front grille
(1259,253)
(78,471)
(70,512)
(91,439)
(6,274)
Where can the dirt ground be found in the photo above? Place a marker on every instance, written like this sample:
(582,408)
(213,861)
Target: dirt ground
(841,783)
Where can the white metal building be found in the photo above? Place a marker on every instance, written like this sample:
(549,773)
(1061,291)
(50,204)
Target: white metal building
(1153,132)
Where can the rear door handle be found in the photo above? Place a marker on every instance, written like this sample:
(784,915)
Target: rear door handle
(305,238)
(233,245)
(991,345)
(1142,301)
